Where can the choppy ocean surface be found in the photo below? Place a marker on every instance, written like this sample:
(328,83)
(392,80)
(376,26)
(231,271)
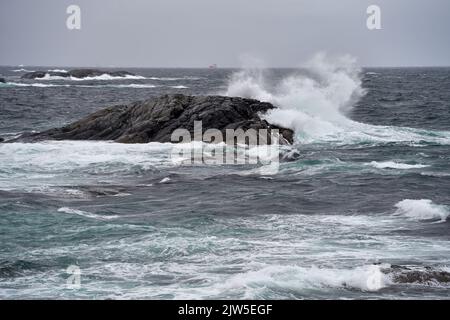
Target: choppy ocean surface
(363,212)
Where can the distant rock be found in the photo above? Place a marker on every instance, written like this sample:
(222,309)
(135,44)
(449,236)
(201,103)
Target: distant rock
(2,80)
(84,73)
(76,73)
(154,120)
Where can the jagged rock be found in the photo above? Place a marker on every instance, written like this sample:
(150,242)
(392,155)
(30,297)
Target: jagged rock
(407,275)
(155,120)
(76,73)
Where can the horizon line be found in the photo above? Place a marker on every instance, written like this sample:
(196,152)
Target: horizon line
(206,67)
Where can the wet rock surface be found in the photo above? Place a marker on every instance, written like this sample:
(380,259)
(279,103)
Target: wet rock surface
(154,120)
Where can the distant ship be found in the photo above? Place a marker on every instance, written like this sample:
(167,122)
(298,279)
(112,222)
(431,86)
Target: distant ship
(213,66)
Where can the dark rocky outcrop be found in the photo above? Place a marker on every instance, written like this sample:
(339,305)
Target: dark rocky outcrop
(154,120)
(76,73)
(406,275)
(2,80)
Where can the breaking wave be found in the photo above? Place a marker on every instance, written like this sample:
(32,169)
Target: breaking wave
(179,87)
(136,86)
(87,214)
(423,209)
(315,103)
(50,85)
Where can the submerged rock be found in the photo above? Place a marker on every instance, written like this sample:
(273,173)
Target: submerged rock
(76,73)
(154,120)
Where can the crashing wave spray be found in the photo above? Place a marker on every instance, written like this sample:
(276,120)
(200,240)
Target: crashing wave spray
(314,103)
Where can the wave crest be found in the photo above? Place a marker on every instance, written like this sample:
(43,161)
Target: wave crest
(423,209)
(365,278)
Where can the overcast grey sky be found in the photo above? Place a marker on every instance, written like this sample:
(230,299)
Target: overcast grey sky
(197,33)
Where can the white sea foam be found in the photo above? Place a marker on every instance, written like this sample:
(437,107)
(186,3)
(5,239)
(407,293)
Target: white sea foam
(174,78)
(49,85)
(75,193)
(103,77)
(423,209)
(109,77)
(37,85)
(49,77)
(396,165)
(314,258)
(87,214)
(133,85)
(57,70)
(165,180)
(44,162)
(315,104)
(22,70)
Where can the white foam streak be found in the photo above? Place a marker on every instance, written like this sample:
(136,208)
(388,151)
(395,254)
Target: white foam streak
(37,85)
(86,214)
(58,70)
(396,165)
(22,70)
(103,77)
